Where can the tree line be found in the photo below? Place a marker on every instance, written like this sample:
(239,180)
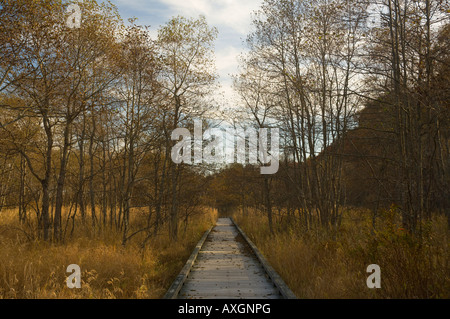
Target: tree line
(363,108)
(87,114)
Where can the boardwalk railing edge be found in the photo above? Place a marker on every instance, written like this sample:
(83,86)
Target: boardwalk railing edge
(284,290)
(172,292)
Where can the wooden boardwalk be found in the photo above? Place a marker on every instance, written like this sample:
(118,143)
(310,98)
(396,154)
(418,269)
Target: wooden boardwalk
(224,265)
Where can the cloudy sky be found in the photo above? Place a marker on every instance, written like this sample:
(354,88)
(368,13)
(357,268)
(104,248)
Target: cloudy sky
(231,17)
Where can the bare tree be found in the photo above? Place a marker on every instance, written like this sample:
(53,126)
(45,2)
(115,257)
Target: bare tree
(187,77)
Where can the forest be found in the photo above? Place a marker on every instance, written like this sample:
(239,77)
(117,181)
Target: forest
(360,99)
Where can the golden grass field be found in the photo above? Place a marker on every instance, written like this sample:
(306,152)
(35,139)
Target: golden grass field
(37,269)
(317,264)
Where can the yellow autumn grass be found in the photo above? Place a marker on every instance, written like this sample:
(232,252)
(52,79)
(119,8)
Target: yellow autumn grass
(320,264)
(37,269)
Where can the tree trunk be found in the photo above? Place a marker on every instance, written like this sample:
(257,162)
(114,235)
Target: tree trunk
(60,184)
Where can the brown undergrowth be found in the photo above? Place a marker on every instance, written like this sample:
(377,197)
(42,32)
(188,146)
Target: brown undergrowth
(32,268)
(326,264)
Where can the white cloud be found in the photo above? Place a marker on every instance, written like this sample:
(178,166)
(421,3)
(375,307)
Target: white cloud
(231,17)
(234,14)
(226,63)
(226,60)
(233,20)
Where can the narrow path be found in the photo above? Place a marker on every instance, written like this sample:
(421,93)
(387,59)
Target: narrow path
(227,268)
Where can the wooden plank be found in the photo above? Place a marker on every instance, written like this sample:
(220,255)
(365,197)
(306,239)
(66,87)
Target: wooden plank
(230,291)
(225,269)
(174,289)
(228,295)
(285,291)
(227,265)
(228,284)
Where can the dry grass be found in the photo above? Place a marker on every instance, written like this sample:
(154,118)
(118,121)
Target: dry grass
(36,269)
(317,264)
